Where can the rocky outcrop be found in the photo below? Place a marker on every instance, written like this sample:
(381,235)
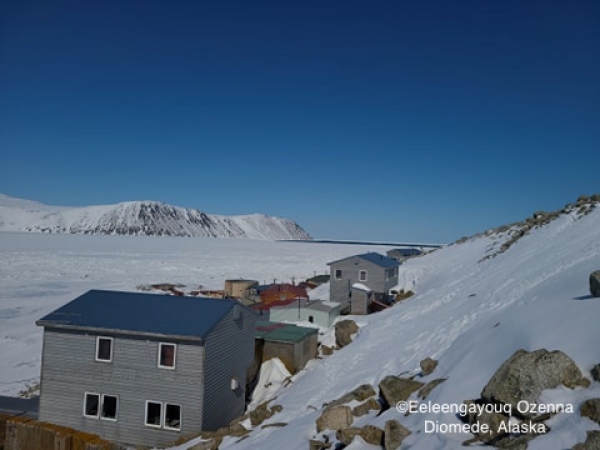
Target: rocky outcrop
(370,434)
(591,409)
(335,418)
(595,283)
(344,331)
(526,374)
(394,389)
(592,442)
(394,434)
(315,444)
(428,365)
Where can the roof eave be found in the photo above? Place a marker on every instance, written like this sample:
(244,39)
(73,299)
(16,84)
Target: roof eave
(63,326)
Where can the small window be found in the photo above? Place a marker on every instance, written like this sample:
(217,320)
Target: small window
(153,414)
(109,407)
(311,319)
(172,417)
(338,274)
(166,355)
(104,349)
(362,275)
(91,405)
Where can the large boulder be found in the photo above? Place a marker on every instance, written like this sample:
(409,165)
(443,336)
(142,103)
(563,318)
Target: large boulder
(525,375)
(344,331)
(335,418)
(362,392)
(370,434)
(395,389)
(591,443)
(394,434)
(595,283)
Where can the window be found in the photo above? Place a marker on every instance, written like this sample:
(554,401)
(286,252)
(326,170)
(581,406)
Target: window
(172,417)
(338,274)
(166,355)
(91,405)
(96,406)
(311,319)
(104,349)
(362,275)
(109,407)
(153,414)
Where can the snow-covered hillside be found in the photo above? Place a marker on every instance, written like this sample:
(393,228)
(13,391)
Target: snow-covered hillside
(141,218)
(469,312)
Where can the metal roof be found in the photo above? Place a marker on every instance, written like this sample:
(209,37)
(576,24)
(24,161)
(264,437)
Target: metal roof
(282,332)
(374,258)
(140,314)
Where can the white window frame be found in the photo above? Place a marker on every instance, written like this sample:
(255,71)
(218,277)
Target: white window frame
(85,395)
(360,273)
(164,418)
(152,425)
(112,347)
(335,273)
(160,346)
(102,408)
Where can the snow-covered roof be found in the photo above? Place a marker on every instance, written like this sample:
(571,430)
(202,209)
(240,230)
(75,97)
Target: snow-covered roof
(361,287)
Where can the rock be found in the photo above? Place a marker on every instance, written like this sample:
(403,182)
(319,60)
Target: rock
(362,392)
(526,374)
(428,365)
(236,430)
(318,445)
(492,419)
(395,389)
(426,390)
(334,418)
(258,416)
(591,443)
(366,407)
(394,434)
(326,351)
(275,425)
(344,331)
(595,283)
(371,435)
(596,372)
(591,409)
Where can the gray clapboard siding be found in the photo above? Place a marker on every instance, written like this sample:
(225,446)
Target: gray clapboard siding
(69,370)
(229,353)
(376,278)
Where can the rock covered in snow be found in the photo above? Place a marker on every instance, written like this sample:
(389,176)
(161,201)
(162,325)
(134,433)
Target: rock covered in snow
(428,365)
(591,409)
(395,389)
(394,434)
(344,331)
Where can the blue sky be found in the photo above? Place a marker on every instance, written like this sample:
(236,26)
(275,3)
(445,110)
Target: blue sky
(418,121)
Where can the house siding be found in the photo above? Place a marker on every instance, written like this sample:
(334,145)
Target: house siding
(290,314)
(229,353)
(69,369)
(376,278)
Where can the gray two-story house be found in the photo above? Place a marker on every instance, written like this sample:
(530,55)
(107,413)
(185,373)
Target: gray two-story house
(368,277)
(145,369)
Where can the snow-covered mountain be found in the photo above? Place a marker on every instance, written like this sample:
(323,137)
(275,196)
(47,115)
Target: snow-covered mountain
(147,218)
